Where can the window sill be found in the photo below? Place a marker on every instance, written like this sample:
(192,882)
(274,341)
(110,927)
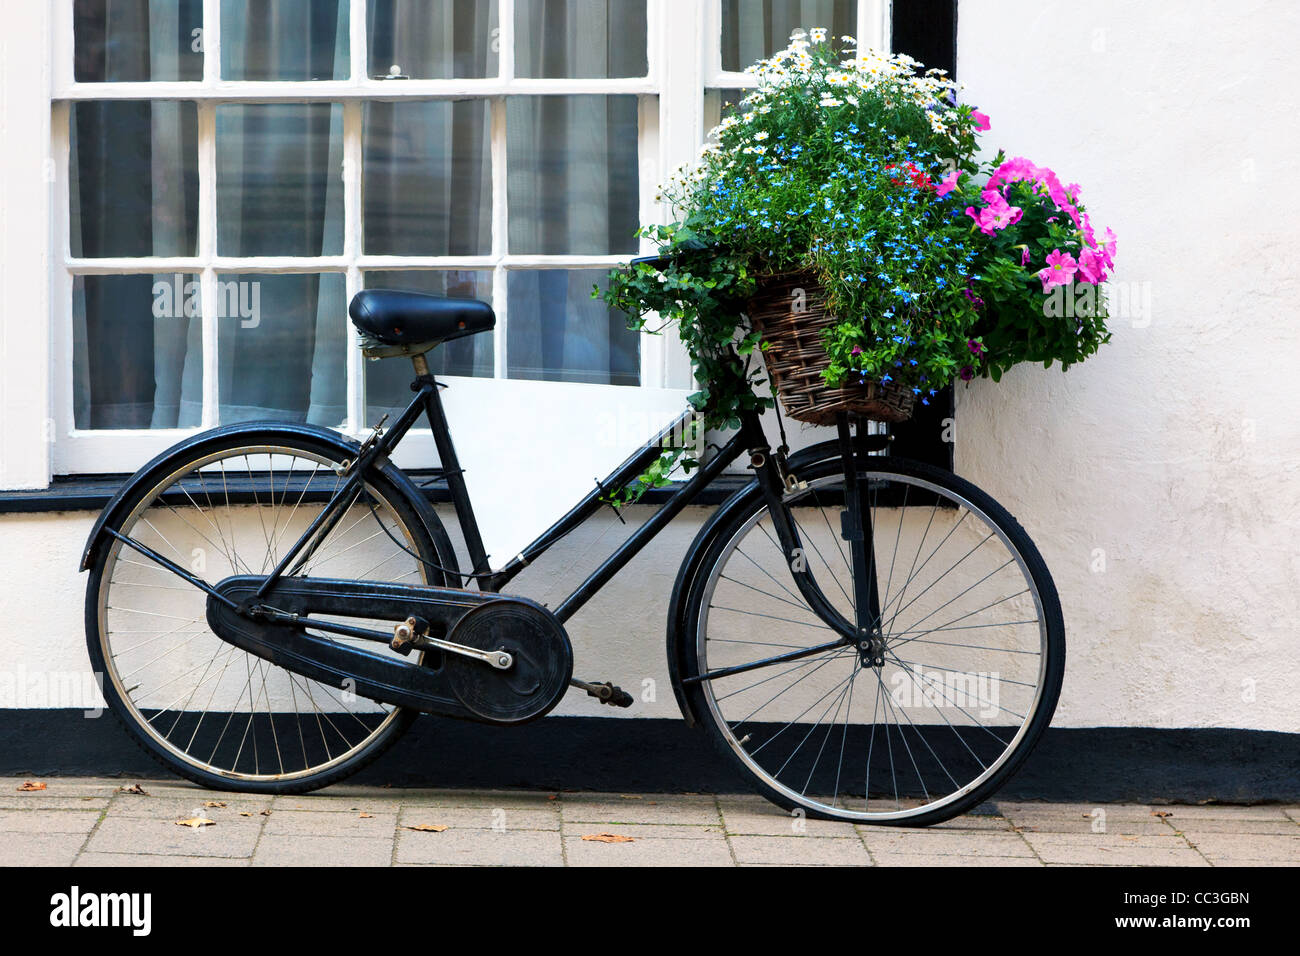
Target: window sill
(92,492)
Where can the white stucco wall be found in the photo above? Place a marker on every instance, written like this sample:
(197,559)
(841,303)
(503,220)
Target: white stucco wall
(1159,479)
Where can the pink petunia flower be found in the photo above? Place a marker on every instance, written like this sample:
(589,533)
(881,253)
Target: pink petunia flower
(948,183)
(1091,268)
(1024,256)
(981,121)
(1060,269)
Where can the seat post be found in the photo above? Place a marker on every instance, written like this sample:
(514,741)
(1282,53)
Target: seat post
(452,472)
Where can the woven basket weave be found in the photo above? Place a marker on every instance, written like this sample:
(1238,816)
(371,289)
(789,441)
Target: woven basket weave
(790,312)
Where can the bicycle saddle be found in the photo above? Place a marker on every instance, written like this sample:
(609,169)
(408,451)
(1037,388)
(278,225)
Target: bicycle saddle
(407,322)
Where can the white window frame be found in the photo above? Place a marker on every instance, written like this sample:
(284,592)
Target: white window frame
(683,62)
(663,363)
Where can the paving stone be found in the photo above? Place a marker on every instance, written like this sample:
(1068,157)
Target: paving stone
(649,831)
(48,821)
(923,859)
(1135,853)
(381,802)
(484,818)
(1226,825)
(40,849)
(652,808)
(179,805)
(969,843)
(235,837)
(773,821)
(480,847)
(481,799)
(800,850)
(1248,846)
(145,859)
(318,822)
(1222,811)
(649,851)
(297,849)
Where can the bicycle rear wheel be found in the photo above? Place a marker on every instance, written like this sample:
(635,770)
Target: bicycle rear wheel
(207,709)
(972,662)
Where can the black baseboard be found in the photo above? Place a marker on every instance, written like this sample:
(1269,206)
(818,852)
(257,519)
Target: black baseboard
(1087,765)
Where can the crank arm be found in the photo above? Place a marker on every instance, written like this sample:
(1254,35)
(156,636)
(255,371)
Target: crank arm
(501,660)
(407,635)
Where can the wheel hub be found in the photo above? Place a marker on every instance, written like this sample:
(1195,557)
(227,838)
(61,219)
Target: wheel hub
(871,650)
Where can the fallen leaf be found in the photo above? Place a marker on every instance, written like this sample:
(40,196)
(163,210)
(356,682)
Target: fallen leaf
(608,838)
(266,813)
(630,796)
(1162,813)
(1124,836)
(245,813)
(428,827)
(134,788)
(196,822)
(220,805)
(30,785)
(364,816)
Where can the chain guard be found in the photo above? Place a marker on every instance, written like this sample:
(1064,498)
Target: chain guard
(539,676)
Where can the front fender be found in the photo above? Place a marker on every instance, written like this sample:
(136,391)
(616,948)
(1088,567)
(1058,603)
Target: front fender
(690,569)
(178,454)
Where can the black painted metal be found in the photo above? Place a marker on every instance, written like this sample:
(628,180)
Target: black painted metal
(856,521)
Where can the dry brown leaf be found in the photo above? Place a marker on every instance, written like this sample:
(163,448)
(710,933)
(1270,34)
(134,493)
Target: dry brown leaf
(196,822)
(30,785)
(134,788)
(266,813)
(1162,813)
(608,838)
(428,827)
(218,804)
(245,813)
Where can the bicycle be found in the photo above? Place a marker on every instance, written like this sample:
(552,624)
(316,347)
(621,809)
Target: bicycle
(272,604)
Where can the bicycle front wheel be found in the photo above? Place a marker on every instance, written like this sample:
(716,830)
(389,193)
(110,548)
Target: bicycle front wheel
(927,725)
(205,708)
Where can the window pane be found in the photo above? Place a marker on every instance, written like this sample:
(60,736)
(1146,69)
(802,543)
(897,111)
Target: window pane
(580,38)
(135,184)
(279,179)
(557,332)
(573,176)
(284,40)
(388,381)
(428,178)
(137,345)
(432,39)
(752,31)
(123,41)
(282,347)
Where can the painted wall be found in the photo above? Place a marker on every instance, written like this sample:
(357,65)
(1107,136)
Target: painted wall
(1160,479)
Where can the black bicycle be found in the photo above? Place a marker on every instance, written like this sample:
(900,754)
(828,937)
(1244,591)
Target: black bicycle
(863,637)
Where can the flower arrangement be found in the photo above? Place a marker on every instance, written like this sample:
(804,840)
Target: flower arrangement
(860,169)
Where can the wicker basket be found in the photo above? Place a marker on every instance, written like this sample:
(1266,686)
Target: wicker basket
(796,357)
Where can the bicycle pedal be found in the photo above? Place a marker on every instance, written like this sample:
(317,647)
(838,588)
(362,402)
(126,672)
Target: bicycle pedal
(606,693)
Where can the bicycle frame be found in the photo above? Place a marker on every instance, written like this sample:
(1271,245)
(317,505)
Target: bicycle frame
(428,402)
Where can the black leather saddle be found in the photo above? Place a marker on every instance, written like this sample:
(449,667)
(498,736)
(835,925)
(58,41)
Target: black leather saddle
(406,323)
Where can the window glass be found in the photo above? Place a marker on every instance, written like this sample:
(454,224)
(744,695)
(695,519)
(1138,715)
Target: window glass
(284,40)
(135,41)
(279,179)
(282,347)
(433,39)
(573,174)
(137,344)
(135,183)
(558,333)
(754,31)
(428,178)
(580,38)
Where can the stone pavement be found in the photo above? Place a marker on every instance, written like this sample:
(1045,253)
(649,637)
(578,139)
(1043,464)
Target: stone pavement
(94,822)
